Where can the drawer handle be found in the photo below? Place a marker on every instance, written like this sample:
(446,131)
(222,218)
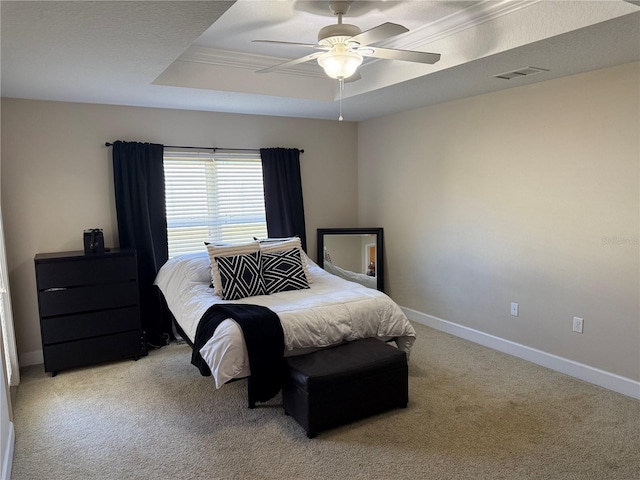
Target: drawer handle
(55,289)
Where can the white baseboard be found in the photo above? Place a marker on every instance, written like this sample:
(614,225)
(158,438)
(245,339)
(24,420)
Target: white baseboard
(608,380)
(31,358)
(7,455)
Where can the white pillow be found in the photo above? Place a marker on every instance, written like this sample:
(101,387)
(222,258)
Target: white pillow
(273,240)
(272,247)
(195,266)
(215,251)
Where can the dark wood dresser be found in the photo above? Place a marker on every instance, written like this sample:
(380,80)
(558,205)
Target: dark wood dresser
(89,310)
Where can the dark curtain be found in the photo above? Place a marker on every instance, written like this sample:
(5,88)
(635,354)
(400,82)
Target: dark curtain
(283,193)
(142,225)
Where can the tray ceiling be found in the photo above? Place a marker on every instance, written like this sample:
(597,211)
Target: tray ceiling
(199,55)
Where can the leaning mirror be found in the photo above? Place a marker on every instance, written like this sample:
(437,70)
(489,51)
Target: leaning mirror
(354,254)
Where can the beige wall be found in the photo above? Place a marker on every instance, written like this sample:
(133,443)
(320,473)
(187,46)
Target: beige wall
(527,195)
(57,176)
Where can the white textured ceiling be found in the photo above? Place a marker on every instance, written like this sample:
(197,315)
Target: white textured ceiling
(199,55)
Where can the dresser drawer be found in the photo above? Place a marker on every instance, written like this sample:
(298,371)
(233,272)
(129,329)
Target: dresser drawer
(85,299)
(85,271)
(91,350)
(85,325)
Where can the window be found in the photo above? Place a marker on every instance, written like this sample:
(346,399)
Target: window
(212,197)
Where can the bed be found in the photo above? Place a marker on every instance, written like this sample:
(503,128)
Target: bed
(331,311)
(361,278)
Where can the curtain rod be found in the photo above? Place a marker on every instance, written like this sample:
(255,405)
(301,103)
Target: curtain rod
(215,149)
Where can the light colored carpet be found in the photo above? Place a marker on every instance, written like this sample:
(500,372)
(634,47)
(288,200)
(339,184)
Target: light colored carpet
(473,413)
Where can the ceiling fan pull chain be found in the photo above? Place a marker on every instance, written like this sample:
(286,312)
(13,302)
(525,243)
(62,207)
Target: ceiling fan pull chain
(341,82)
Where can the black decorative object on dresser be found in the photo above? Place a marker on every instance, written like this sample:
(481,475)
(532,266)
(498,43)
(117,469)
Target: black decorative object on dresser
(89,308)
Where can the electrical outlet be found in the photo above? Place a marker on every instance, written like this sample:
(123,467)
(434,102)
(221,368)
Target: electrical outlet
(514,309)
(578,324)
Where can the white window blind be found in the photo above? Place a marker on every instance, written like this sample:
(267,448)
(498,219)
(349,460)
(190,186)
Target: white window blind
(212,197)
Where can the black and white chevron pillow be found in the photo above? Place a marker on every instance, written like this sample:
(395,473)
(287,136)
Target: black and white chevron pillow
(241,276)
(283,271)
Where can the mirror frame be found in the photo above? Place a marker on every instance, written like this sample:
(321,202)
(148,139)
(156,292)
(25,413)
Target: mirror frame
(378,232)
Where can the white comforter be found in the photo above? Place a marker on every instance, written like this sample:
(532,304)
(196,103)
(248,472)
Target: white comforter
(330,312)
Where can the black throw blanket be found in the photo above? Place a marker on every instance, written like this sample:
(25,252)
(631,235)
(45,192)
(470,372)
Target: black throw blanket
(263,336)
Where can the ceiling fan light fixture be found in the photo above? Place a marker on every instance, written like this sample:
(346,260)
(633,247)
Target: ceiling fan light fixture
(340,63)
(345,45)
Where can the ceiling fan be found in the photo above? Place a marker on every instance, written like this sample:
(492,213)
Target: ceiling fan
(344,46)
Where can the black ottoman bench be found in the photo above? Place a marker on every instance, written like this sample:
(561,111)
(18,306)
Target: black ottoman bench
(341,384)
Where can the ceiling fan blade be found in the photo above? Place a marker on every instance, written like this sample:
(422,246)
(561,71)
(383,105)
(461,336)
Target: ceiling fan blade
(379,33)
(290,63)
(294,44)
(405,55)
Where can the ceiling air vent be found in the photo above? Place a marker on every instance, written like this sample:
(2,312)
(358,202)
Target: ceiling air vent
(519,73)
